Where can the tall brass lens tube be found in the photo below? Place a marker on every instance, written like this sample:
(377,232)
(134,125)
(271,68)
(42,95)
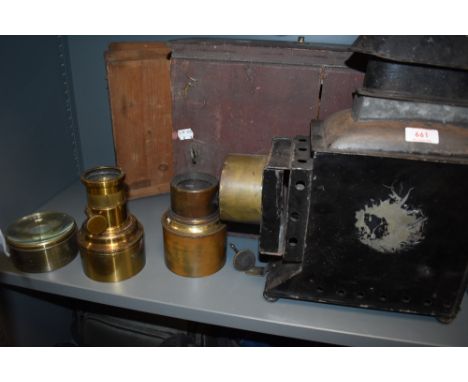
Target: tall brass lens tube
(107,206)
(111,240)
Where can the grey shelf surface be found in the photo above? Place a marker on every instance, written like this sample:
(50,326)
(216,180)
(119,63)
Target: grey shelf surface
(228,298)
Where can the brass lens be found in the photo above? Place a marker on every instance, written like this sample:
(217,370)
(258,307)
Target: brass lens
(111,240)
(194,238)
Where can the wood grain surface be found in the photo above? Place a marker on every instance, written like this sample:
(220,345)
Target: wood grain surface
(141,107)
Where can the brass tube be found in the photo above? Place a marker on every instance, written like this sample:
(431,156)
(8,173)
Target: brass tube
(106,195)
(111,240)
(110,217)
(240,190)
(194,237)
(193,194)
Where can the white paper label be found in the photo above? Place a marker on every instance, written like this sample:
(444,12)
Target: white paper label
(417,134)
(184,134)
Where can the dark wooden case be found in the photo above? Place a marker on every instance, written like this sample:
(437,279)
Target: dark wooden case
(234,96)
(237,95)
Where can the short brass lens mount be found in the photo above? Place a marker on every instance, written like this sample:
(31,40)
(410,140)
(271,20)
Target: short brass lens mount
(193,194)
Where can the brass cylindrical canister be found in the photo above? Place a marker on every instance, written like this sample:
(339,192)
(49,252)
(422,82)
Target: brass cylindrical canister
(42,242)
(111,240)
(240,190)
(194,237)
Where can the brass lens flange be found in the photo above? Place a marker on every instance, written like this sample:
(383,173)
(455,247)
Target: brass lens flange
(111,240)
(194,237)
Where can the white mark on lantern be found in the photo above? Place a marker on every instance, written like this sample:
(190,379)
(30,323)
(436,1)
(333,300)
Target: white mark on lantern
(390,225)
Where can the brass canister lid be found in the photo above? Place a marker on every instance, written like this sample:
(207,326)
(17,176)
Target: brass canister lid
(39,230)
(42,242)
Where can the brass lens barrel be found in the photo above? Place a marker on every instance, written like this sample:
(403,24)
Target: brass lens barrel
(111,240)
(193,194)
(240,192)
(194,237)
(106,197)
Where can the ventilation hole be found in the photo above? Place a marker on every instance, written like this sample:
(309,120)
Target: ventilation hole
(319,289)
(360,295)
(302,161)
(294,216)
(302,149)
(427,302)
(300,186)
(406,299)
(292,242)
(340,292)
(383,298)
(302,140)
